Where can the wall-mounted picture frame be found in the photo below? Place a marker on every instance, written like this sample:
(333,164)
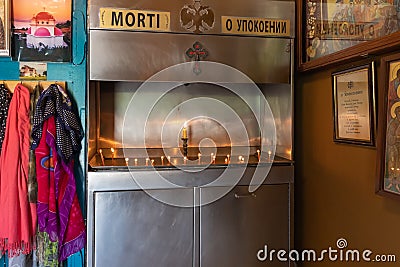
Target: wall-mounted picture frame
(337,31)
(388,142)
(354,105)
(4,28)
(41,30)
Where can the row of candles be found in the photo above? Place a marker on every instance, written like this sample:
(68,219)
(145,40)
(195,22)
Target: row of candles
(241,159)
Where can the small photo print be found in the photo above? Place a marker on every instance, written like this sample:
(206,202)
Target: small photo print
(41,30)
(32,71)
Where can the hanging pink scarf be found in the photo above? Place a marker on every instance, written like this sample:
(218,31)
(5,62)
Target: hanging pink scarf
(59,213)
(18,216)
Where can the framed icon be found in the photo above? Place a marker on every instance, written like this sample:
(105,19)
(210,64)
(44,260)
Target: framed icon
(388,158)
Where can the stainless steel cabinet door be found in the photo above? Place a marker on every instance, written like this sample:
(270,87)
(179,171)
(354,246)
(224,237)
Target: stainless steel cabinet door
(236,227)
(133,229)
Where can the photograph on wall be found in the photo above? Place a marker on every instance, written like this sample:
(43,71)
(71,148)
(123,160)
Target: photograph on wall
(41,30)
(36,71)
(4,28)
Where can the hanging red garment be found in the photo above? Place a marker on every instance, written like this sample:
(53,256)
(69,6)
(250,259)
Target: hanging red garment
(18,216)
(57,136)
(59,211)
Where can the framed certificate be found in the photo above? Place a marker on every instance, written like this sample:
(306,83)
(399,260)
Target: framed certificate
(4,28)
(354,108)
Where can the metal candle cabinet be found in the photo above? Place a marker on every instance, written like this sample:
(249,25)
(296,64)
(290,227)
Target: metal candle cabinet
(126,222)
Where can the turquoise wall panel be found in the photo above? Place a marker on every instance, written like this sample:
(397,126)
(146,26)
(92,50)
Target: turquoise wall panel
(75,74)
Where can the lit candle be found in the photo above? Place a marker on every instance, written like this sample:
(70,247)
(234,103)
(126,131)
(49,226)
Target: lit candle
(101,156)
(184,160)
(136,162)
(199,156)
(269,155)
(289,153)
(162,160)
(228,157)
(127,161)
(226,160)
(147,161)
(211,157)
(258,154)
(214,159)
(152,162)
(169,159)
(112,155)
(184,133)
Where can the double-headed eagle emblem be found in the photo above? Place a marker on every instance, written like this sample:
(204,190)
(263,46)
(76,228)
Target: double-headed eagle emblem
(196,17)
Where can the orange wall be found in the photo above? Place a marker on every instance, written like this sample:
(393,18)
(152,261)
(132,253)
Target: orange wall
(335,183)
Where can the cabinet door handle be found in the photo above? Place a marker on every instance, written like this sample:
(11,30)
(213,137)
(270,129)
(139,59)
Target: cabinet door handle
(245,195)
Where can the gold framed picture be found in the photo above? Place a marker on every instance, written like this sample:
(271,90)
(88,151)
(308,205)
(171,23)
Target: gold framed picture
(336,31)
(354,105)
(388,158)
(4,28)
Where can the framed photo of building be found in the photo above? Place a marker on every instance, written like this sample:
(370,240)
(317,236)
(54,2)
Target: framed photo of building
(388,159)
(354,105)
(4,28)
(41,30)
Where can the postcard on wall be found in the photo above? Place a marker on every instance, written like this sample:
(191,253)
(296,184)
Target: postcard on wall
(4,28)
(41,30)
(36,71)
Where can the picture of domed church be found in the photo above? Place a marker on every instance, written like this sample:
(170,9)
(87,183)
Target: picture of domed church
(44,33)
(41,30)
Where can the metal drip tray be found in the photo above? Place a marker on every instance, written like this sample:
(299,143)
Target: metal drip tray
(117,158)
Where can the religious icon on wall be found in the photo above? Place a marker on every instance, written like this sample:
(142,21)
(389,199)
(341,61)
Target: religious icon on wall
(333,25)
(388,156)
(4,28)
(41,30)
(392,158)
